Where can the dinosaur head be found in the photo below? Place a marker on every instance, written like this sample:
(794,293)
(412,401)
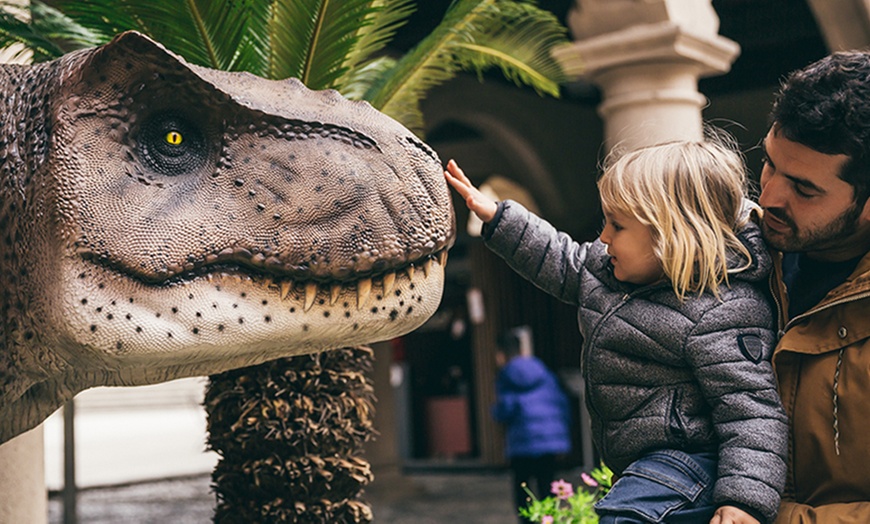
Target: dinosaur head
(179,221)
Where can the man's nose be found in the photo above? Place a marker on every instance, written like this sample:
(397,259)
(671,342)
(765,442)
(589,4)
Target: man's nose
(772,192)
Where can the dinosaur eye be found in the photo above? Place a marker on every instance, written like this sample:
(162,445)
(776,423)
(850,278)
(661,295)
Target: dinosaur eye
(174,138)
(172,145)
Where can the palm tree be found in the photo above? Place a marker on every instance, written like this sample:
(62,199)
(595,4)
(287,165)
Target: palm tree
(289,432)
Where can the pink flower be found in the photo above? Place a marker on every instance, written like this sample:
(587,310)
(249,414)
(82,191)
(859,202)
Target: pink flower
(589,481)
(562,489)
(547,519)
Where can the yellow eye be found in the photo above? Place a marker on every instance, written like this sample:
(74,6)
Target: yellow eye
(174,138)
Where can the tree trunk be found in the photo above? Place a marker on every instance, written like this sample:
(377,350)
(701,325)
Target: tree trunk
(289,434)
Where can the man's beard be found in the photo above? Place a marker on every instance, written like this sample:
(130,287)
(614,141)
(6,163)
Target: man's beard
(828,236)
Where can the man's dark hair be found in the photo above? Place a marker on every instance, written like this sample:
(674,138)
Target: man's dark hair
(826,106)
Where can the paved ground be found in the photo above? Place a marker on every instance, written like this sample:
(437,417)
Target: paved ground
(128,437)
(424,498)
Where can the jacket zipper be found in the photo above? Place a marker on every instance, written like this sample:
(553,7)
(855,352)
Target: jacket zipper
(779,309)
(587,351)
(592,336)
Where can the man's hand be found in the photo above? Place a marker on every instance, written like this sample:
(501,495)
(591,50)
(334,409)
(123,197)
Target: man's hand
(478,203)
(732,515)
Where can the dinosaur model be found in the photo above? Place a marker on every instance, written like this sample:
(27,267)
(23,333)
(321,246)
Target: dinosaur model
(162,220)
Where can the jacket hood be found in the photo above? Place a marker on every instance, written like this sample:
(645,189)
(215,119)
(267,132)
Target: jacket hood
(762,263)
(524,373)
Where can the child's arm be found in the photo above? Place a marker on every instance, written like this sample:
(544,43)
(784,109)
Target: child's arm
(732,515)
(480,204)
(530,245)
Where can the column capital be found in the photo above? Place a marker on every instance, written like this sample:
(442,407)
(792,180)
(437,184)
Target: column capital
(647,45)
(591,18)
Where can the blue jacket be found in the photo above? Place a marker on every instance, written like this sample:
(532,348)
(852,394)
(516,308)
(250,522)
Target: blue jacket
(533,407)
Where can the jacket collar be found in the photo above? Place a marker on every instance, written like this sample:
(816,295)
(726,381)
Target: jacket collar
(856,285)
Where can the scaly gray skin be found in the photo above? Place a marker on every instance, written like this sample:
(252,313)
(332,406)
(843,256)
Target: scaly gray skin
(287,221)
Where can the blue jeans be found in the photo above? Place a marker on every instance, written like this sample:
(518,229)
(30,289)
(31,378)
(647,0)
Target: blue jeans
(664,486)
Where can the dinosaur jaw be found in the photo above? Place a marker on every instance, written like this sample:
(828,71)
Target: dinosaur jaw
(222,320)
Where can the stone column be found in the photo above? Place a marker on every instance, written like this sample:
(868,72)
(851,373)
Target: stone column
(845,24)
(23,497)
(646,56)
(22,480)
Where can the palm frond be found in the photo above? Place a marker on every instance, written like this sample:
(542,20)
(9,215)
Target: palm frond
(357,81)
(205,32)
(223,27)
(427,65)
(312,39)
(373,35)
(287,34)
(58,27)
(43,31)
(475,34)
(517,39)
(16,30)
(105,17)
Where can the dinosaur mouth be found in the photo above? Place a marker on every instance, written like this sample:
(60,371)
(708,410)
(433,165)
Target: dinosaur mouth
(310,292)
(300,285)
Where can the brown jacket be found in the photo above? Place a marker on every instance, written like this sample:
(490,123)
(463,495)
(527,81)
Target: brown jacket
(822,363)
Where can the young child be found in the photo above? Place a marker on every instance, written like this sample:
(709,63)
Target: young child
(677,331)
(536,415)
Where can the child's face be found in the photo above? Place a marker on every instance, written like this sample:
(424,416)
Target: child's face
(630,245)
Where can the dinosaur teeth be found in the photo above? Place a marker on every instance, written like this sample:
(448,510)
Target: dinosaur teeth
(389,282)
(310,295)
(363,292)
(333,291)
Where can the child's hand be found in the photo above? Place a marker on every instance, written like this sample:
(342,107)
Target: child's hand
(732,515)
(478,203)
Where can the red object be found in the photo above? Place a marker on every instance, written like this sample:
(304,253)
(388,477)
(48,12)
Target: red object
(447,426)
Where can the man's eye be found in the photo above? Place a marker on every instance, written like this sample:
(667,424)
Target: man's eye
(802,193)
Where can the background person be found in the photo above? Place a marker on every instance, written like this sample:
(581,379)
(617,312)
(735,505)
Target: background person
(536,414)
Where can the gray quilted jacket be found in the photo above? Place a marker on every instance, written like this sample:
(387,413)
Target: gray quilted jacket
(661,374)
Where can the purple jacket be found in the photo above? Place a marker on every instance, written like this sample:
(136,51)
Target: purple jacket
(533,407)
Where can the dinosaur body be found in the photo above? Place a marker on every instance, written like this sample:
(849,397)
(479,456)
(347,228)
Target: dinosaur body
(162,220)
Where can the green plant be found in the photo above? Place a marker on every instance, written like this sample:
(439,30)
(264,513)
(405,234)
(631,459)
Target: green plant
(567,506)
(327,44)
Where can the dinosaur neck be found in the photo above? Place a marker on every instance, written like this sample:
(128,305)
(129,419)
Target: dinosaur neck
(24,147)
